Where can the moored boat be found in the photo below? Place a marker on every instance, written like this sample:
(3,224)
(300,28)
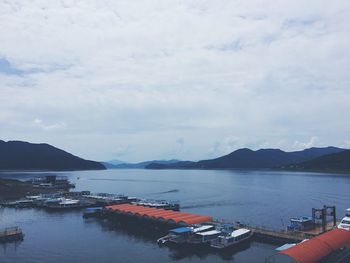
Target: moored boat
(195,235)
(232,239)
(203,238)
(63,203)
(345,222)
(163,204)
(176,236)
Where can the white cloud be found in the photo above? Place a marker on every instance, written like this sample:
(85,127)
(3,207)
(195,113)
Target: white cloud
(303,145)
(140,73)
(49,127)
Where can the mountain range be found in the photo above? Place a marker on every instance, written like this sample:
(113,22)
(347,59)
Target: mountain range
(140,165)
(18,155)
(249,159)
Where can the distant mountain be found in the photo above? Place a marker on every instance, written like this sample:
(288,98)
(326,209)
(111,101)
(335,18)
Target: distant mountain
(115,162)
(112,163)
(140,165)
(17,155)
(249,159)
(331,162)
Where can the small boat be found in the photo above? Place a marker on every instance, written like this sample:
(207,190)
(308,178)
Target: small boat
(183,234)
(176,236)
(232,239)
(103,199)
(302,223)
(11,234)
(203,238)
(63,203)
(42,199)
(345,222)
(163,204)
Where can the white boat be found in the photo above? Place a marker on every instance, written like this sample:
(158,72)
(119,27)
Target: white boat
(345,222)
(63,203)
(176,236)
(234,238)
(183,234)
(203,238)
(164,204)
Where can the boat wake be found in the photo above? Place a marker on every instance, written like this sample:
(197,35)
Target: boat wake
(168,192)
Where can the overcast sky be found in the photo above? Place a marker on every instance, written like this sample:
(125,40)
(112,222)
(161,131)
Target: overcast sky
(140,80)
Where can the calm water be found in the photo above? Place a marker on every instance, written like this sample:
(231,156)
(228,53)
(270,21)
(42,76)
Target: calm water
(261,198)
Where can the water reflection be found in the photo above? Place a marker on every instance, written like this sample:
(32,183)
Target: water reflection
(146,234)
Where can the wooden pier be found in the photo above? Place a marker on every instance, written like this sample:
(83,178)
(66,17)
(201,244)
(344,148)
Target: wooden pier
(285,236)
(280,236)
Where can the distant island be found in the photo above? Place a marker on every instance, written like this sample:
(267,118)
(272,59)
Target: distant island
(309,159)
(25,156)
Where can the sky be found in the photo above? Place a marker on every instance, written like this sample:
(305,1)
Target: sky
(185,79)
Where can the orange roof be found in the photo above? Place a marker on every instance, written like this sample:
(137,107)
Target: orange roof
(315,249)
(159,213)
(130,208)
(169,216)
(184,217)
(152,213)
(197,220)
(181,215)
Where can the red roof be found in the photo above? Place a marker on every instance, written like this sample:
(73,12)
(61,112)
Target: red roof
(315,249)
(160,214)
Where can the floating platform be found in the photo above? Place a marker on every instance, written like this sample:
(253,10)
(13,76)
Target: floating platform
(157,215)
